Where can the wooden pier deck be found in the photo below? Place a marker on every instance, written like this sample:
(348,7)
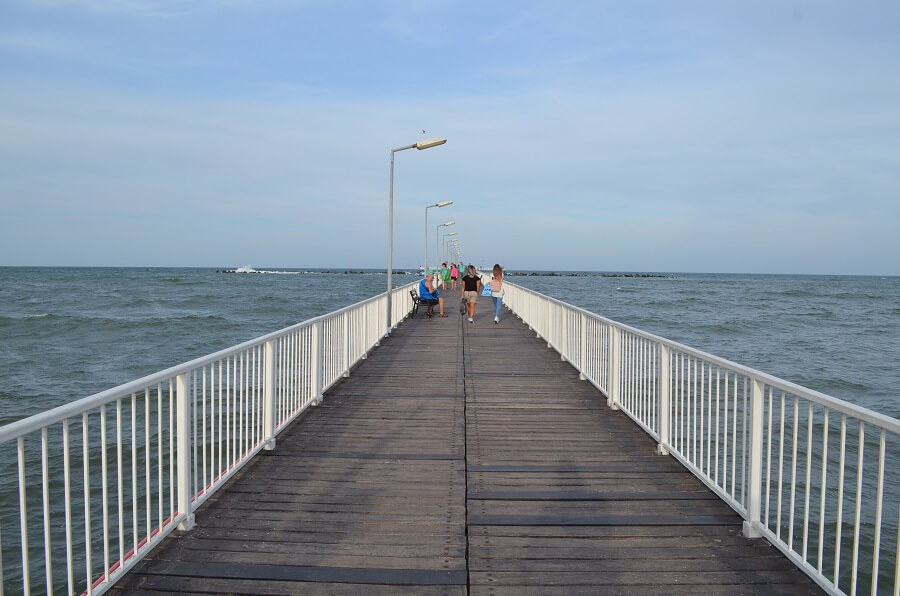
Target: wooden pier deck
(465,458)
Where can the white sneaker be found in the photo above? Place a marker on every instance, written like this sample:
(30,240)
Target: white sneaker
(496,319)
(470,320)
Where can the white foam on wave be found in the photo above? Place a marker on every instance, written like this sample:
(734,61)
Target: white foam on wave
(249,269)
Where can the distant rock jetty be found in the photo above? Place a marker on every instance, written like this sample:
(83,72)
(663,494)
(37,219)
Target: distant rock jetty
(403,272)
(311,271)
(555,274)
(660,275)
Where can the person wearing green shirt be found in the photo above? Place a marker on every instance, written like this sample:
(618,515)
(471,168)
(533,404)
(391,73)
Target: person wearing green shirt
(445,274)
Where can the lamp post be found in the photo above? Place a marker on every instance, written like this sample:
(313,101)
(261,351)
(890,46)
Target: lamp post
(426,144)
(446,238)
(454,249)
(441,204)
(437,251)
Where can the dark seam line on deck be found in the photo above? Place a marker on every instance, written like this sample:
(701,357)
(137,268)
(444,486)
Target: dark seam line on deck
(465,431)
(379,456)
(304,573)
(595,496)
(608,519)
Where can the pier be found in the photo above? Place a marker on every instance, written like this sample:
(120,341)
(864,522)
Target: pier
(465,458)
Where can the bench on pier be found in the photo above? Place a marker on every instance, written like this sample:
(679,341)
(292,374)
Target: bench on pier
(416,301)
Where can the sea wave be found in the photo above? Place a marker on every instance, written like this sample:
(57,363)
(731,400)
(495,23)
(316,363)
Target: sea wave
(140,319)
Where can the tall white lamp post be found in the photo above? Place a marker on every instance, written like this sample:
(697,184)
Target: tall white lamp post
(441,204)
(437,251)
(454,249)
(426,144)
(447,244)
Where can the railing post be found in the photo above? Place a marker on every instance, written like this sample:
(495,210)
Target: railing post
(364,328)
(365,331)
(346,344)
(665,397)
(380,315)
(269,397)
(529,308)
(533,315)
(550,326)
(615,359)
(319,363)
(753,522)
(183,438)
(583,364)
(564,339)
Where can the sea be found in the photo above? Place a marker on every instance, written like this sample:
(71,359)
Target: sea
(67,332)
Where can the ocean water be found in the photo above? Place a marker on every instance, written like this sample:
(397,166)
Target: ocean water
(66,333)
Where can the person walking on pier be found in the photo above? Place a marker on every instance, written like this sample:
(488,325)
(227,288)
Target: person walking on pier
(497,291)
(454,273)
(429,295)
(471,287)
(444,276)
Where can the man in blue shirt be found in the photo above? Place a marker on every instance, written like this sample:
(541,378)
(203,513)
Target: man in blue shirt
(429,295)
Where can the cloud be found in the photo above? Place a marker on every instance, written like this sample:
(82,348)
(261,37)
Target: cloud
(151,8)
(41,43)
(592,135)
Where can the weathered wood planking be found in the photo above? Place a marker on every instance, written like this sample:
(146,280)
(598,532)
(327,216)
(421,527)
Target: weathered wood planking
(366,494)
(465,458)
(566,496)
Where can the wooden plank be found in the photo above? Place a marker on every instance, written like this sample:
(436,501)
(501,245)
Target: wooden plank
(174,584)
(306,573)
(568,497)
(460,459)
(364,494)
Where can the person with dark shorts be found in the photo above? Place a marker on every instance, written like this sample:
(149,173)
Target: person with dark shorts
(471,287)
(454,273)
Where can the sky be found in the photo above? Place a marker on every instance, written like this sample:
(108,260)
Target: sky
(626,135)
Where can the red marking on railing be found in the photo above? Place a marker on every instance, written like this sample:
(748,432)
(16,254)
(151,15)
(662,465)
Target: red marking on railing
(105,577)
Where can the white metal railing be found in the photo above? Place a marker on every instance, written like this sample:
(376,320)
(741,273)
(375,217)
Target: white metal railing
(100,481)
(816,476)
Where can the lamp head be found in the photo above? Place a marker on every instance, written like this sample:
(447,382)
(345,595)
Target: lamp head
(429,143)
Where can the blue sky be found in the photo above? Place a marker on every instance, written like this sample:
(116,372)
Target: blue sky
(685,136)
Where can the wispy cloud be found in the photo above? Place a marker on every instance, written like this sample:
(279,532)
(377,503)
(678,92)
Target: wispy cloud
(41,42)
(151,8)
(596,135)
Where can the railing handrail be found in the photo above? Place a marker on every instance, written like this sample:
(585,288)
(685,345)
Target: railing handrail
(788,459)
(178,435)
(35,422)
(881,420)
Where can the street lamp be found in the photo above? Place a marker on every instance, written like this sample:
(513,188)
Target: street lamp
(437,252)
(441,204)
(426,144)
(454,249)
(446,238)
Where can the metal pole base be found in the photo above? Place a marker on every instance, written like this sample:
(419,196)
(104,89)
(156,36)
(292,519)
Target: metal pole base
(750,531)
